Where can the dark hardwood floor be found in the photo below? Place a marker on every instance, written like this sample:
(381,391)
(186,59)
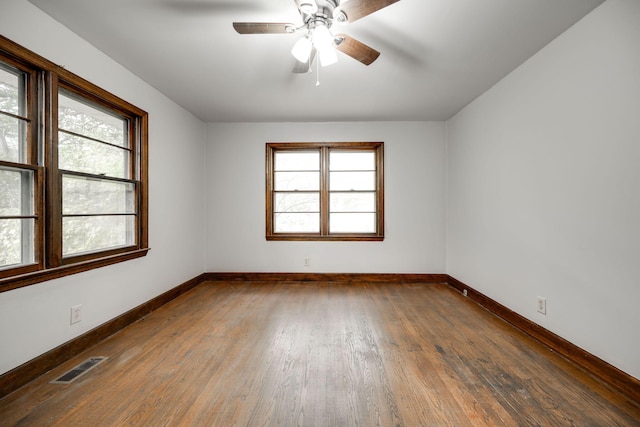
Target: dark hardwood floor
(320,354)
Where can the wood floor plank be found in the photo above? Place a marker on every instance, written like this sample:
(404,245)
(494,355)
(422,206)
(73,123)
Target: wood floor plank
(244,353)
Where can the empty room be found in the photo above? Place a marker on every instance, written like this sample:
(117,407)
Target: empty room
(320,212)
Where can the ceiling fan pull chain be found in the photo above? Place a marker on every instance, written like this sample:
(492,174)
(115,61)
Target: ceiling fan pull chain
(317,73)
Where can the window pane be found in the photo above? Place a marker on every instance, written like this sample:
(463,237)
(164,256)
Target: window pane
(16,192)
(297,202)
(11,92)
(297,222)
(352,223)
(12,139)
(90,120)
(349,181)
(351,161)
(353,202)
(300,181)
(95,196)
(84,155)
(12,101)
(16,242)
(95,233)
(297,161)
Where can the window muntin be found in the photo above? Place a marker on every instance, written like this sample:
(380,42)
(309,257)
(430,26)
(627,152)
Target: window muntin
(87,151)
(318,191)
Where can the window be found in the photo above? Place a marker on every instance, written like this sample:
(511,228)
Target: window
(73,172)
(20,176)
(95,168)
(325,191)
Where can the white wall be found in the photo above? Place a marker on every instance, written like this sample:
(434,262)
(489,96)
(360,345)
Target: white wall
(544,187)
(414,200)
(35,319)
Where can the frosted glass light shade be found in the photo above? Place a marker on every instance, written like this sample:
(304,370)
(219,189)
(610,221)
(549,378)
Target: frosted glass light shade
(302,49)
(322,38)
(327,56)
(323,42)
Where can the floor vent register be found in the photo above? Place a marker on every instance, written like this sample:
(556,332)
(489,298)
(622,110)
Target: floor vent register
(81,369)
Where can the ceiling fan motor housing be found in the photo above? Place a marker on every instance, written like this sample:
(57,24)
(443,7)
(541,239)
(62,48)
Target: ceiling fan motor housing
(307,6)
(319,9)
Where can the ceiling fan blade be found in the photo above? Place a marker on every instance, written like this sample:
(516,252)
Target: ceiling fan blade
(355,49)
(304,67)
(356,9)
(264,27)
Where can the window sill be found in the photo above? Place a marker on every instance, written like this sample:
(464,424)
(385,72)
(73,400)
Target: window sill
(332,238)
(20,281)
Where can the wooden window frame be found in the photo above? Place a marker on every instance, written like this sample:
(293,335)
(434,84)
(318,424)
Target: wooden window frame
(324,148)
(46,78)
(30,163)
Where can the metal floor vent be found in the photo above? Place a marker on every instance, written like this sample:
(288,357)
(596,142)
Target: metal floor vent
(79,370)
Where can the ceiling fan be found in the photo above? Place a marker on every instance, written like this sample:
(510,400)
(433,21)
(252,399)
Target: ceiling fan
(318,16)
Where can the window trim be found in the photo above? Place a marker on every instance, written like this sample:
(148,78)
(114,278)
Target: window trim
(45,80)
(324,148)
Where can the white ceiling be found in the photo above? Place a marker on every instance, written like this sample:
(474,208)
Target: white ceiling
(436,55)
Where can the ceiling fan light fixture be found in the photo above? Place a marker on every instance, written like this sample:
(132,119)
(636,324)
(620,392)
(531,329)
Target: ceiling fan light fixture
(302,49)
(318,17)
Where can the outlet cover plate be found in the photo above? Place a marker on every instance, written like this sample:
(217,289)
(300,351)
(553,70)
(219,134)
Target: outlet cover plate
(541,305)
(76,314)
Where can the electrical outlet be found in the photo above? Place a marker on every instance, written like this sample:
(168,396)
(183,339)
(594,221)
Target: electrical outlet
(541,306)
(307,262)
(76,314)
